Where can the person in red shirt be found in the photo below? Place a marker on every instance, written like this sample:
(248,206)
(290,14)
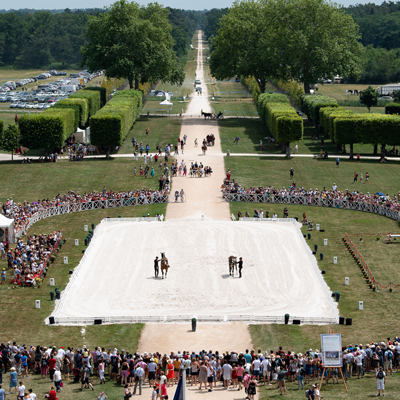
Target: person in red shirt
(52,366)
(52,394)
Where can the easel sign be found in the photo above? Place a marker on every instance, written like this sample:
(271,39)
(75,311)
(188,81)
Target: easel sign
(331,349)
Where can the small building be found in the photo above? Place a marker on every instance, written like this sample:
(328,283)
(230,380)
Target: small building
(388,89)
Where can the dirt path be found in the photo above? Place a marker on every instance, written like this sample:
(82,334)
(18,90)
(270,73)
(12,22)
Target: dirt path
(203,195)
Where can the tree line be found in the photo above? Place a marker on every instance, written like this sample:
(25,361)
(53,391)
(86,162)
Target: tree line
(378,31)
(48,39)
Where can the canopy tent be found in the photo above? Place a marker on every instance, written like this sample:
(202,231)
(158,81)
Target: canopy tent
(6,229)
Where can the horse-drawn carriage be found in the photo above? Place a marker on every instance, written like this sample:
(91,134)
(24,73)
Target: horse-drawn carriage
(210,140)
(218,116)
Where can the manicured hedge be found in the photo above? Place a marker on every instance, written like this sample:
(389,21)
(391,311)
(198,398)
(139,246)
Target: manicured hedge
(93,97)
(1,127)
(111,124)
(133,94)
(83,105)
(327,116)
(367,129)
(68,114)
(289,128)
(46,130)
(73,107)
(103,93)
(311,104)
(392,108)
(265,98)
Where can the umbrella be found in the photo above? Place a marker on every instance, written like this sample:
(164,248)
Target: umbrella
(380,194)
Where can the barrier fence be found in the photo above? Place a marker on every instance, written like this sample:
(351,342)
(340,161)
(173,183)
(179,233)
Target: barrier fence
(96,205)
(312,201)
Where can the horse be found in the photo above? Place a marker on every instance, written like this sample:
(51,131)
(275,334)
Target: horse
(204,148)
(232,265)
(164,265)
(207,115)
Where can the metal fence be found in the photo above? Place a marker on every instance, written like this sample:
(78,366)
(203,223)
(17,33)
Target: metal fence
(96,205)
(312,201)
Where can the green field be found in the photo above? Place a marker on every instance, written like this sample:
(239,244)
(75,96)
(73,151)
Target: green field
(162,131)
(42,181)
(338,91)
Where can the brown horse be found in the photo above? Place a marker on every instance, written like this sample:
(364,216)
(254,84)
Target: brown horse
(204,148)
(232,265)
(164,265)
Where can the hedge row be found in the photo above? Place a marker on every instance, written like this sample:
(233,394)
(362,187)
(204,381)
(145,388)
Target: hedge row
(47,130)
(283,122)
(367,129)
(103,93)
(111,124)
(1,127)
(312,103)
(265,98)
(74,107)
(83,105)
(392,108)
(327,115)
(69,116)
(93,98)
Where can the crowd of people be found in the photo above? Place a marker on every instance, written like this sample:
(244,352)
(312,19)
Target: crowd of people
(229,186)
(27,261)
(22,212)
(230,370)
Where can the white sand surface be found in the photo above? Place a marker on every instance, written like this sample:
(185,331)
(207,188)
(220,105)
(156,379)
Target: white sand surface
(203,195)
(117,276)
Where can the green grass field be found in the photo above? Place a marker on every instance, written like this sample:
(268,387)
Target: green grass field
(362,110)
(338,91)
(162,131)
(42,181)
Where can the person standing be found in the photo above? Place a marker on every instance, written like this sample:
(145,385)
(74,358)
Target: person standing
(355,177)
(296,148)
(367,177)
(156,268)
(139,373)
(210,377)
(380,381)
(240,265)
(147,131)
(237,138)
(227,370)
(337,161)
(291,172)
(251,390)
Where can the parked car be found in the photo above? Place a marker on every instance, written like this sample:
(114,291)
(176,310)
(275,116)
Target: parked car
(197,82)
(386,98)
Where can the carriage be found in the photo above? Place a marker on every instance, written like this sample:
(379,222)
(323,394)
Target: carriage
(210,140)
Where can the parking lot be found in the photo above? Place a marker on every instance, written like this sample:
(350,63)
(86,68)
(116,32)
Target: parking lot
(36,93)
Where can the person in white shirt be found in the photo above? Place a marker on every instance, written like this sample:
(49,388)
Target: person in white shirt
(358,361)
(61,352)
(210,377)
(227,369)
(256,368)
(57,380)
(21,390)
(33,395)
(152,367)
(266,365)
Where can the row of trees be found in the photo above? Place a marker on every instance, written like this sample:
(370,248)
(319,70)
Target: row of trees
(301,40)
(42,38)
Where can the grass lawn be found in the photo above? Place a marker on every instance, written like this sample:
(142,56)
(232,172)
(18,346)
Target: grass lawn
(309,173)
(39,181)
(244,108)
(338,91)
(162,131)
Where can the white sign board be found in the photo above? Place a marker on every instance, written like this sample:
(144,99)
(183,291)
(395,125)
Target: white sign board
(331,349)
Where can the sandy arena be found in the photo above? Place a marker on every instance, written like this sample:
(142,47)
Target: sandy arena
(278,276)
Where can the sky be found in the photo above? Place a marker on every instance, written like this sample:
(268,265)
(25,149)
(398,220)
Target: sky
(184,4)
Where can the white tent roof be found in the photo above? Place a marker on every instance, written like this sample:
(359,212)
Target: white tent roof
(5,222)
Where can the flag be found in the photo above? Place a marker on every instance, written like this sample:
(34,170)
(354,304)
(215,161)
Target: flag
(180,392)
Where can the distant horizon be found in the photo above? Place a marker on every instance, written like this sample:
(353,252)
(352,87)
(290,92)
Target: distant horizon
(196,5)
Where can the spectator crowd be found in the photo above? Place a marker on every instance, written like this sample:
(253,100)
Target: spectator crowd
(229,370)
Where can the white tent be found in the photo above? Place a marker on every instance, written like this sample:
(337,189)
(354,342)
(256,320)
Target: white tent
(6,229)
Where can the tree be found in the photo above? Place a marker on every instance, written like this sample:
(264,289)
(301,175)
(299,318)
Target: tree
(242,45)
(312,39)
(134,43)
(396,96)
(10,139)
(369,97)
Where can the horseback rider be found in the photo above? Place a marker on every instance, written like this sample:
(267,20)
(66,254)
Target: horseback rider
(156,269)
